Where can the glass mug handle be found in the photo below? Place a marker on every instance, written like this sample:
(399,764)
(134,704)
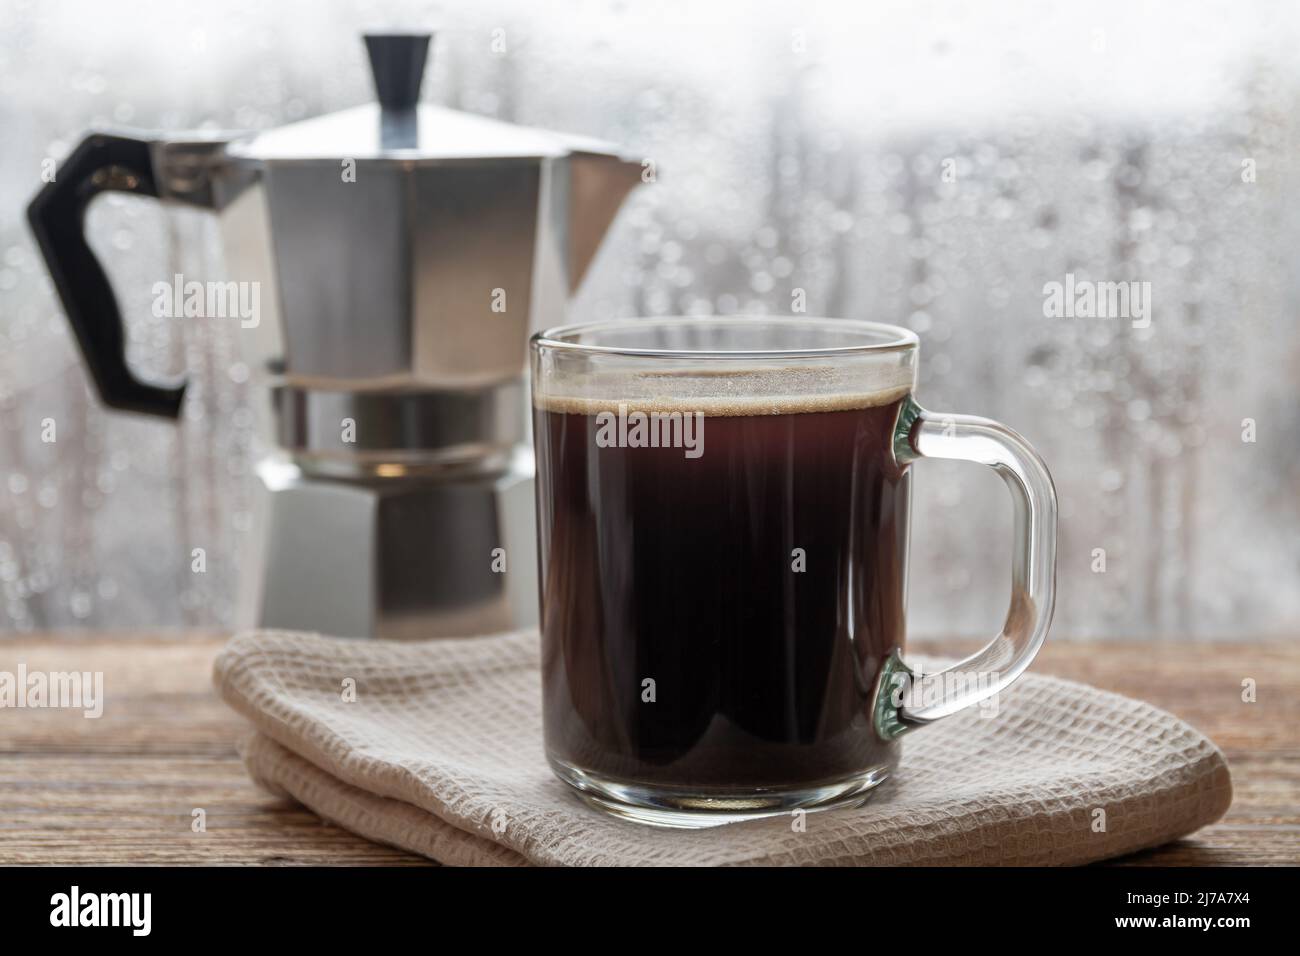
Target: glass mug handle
(905,700)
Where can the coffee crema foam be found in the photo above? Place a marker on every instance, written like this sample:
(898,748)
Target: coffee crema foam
(778,390)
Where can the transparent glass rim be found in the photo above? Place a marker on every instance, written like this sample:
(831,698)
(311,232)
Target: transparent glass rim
(891,338)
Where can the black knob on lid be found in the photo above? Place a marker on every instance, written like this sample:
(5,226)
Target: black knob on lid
(397,63)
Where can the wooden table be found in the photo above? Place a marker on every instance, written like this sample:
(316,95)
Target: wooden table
(123,788)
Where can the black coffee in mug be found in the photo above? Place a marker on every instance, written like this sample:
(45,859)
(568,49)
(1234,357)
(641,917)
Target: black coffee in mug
(715,621)
(723,556)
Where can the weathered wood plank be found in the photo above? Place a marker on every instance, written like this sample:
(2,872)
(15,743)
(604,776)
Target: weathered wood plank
(121,789)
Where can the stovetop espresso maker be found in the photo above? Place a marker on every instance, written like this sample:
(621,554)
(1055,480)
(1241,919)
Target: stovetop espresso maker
(403,253)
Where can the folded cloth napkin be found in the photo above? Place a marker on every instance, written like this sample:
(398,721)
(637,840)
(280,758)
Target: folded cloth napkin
(437,748)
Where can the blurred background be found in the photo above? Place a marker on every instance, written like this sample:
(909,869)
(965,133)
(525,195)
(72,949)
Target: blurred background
(932,165)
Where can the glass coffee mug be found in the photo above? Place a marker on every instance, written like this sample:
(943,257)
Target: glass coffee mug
(723,528)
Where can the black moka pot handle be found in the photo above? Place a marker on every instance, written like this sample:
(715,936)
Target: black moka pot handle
(101,163)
